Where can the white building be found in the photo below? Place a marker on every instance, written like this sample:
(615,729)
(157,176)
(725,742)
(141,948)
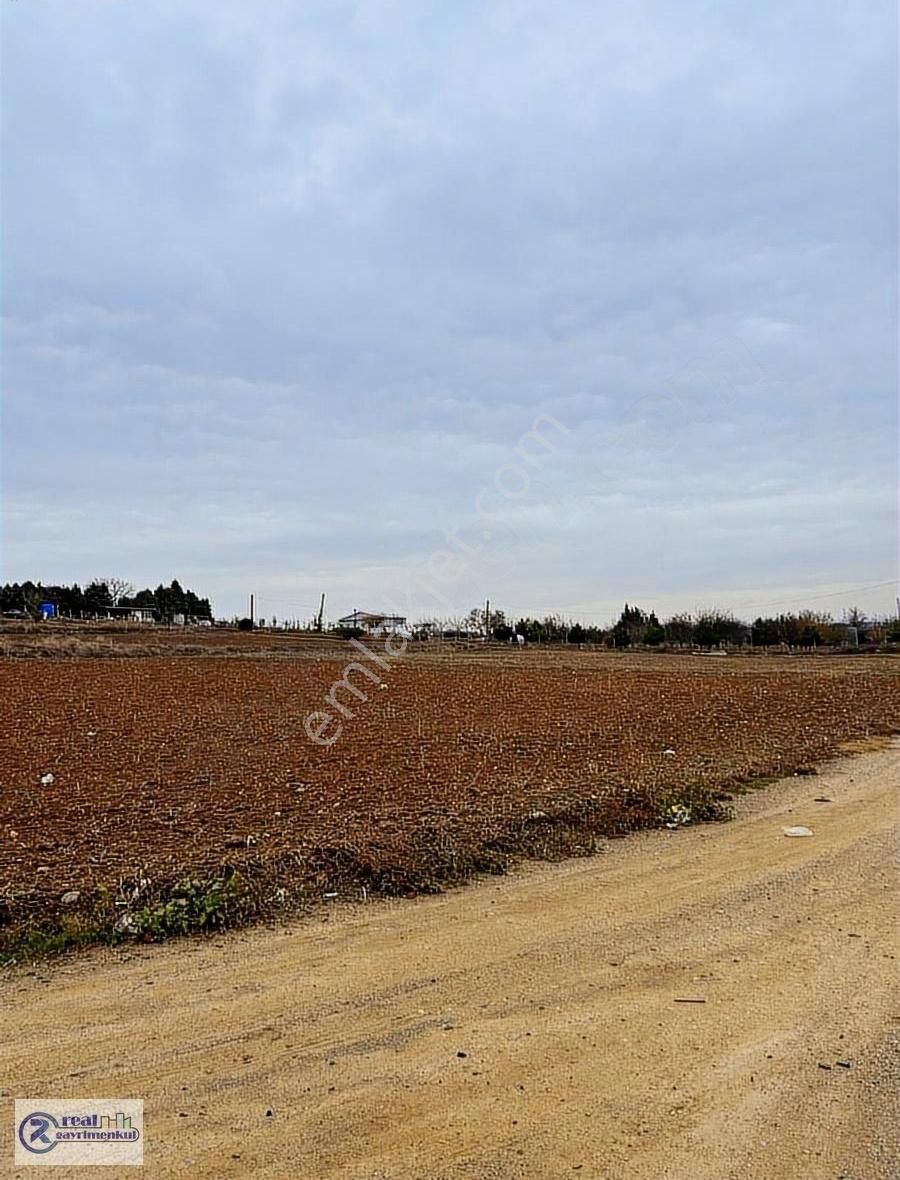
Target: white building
(373,624)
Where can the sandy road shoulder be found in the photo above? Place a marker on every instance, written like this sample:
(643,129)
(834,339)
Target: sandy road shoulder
(525,1027)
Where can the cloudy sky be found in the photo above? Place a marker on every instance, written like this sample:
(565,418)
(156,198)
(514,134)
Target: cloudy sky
(285,285)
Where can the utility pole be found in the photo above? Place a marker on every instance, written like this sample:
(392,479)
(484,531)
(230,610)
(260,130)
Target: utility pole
(321,614)
(487,619)
(252,611)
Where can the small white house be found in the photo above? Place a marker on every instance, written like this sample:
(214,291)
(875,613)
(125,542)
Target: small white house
(376,625)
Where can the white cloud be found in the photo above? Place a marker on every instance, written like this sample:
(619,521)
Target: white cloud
(284,286)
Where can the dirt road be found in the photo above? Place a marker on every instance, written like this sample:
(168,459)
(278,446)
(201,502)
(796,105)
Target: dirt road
(527,1027)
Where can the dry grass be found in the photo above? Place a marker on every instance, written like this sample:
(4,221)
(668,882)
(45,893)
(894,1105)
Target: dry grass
(73,640)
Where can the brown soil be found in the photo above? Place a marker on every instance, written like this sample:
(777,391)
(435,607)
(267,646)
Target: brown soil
(171,767)
(523,1029)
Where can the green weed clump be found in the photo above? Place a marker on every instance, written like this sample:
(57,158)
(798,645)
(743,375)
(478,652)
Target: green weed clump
(192,907)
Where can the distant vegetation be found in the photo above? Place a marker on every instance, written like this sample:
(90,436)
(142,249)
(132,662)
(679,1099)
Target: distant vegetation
(104,596)
(707,629)
(185,797)
(635,627)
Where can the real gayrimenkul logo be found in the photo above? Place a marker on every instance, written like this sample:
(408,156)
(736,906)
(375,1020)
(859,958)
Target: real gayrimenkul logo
(71,1131)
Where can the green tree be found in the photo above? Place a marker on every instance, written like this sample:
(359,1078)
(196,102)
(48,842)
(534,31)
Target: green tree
(97,598)
(654,632)
(765,633)
(630,627)
(809,637)
(715,627)
(680,629)
(577,634)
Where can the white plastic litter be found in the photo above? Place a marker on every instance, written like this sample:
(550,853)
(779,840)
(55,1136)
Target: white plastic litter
(798,831)
(46,780)
(677,816)
(127,924)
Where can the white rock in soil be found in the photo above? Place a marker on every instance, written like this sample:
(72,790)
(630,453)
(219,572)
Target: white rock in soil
(798,831)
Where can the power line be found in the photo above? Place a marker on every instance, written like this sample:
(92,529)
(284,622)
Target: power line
(820,597)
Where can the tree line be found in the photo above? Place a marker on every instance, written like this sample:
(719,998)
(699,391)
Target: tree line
(104,596)
(636,627)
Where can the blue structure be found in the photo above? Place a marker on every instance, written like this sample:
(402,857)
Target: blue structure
(48,610)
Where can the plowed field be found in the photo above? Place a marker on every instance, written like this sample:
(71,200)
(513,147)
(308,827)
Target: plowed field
(164,768)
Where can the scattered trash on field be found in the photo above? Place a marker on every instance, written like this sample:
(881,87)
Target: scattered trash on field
(47,780)
(126,925)
(798,830)
(677,816)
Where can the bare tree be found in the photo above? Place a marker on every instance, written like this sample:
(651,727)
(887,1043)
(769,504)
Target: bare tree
(854,617)
(118,588)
